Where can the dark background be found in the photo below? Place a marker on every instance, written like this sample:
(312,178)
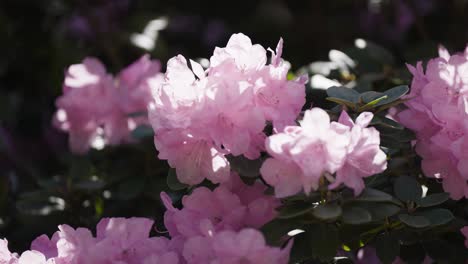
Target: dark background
(40,38)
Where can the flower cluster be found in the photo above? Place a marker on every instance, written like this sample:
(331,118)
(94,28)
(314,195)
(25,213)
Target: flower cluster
(220,224)
(117,240)
(437,111)
(301,155)
(199,116)
(96,109)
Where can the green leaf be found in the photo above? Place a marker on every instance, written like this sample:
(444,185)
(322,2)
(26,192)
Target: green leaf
(407,189)
(341,102)
(173,182)
(142,131)
(373,195)
(387,248)
(438,216)
(370,96)
(354,215)
(433,199)
(300,251)
(343,93)
(277,229)
(393,94)
(385,122)
(380,211)
(327,211)
(292,210)
(245,166)
(415,221)
(372,104)
(324,241)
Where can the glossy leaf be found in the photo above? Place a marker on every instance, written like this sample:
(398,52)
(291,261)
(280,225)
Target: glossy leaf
(407,189)
(354,215)
(327,211)
(416,221)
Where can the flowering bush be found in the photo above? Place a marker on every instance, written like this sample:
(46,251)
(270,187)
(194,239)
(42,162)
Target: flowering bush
(257,173)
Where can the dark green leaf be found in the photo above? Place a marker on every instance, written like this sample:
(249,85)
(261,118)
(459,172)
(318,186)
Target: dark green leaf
(385,122)
(301,248)
(393,94)
(415,221)
(292,210)
(327,211)
(173,182)
(341,102)
(373,195)
(142,131)
(355,215)
(245,166)
(407,189)
(387,247)
(324,241)
(370,96)
(433,199)
(438,216)
(277,229)
(343,93)
(380,211)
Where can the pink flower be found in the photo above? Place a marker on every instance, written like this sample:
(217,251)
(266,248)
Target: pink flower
(364,157)
(190,100)
(437,112)
(229,247)
(240,50)
(301,155)
(118,240)
(279,99)
(464,231)
(230,206)
(94,108)
(78,113)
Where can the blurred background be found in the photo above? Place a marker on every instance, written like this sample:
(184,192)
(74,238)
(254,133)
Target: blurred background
(43,185)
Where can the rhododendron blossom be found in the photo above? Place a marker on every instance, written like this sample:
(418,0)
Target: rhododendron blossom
(364,157)
(118,240)
(246,246)
(95,107)
(231,206)
(218,226)
(464,231)
(301,155)
(437,112)
(199,116)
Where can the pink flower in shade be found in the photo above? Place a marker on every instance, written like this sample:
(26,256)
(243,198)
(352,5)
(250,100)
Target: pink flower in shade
(95,107)
(118,240)
(78,111)
(464,231)
(437,112)
(302,154)
(230,247)
(230,206)
(364,157)
(191,99)
(134,84)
